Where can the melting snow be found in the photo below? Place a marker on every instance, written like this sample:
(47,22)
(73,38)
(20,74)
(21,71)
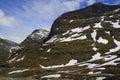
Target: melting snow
(101,40)
(117,10)
(10,61)
(116,48)
(100,78)
(20,59)
(76,30)
(70,63)
(112,62)
(18,71)
(98,25)
(66,32)
(96,57)
(71,21)
(16,48)
(64,71)
(92,65)
(107,32)
(90,72)
(52,39)
(102,18)
(110,57)
(49,50)
(88,64)
(93,34)
(72,39)
(94,48)
(116,24)
(51,76)
(94,72)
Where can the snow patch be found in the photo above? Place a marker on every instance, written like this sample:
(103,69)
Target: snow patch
(96,57)
(94,48)
(70,63)
(71,20)
(18,71)
(76,30)
(112,62)
(116,24)
(88,64)
(98,25)
(100,78)
(10,61)
(20,59)
(51,76)
(49,50)
(116,48)
(94,72)
(107,32)
(110,57)
(101,40)
(102,18)
(93,34)
(52,39)
(117,10)
(72,39)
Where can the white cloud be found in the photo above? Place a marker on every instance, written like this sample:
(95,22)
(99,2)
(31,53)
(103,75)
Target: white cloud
(49,10)
(90,2)
(7,21)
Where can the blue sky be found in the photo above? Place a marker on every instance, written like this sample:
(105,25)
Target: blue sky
(18,18)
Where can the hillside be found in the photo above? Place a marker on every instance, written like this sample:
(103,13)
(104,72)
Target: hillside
(5,46)
(85,41)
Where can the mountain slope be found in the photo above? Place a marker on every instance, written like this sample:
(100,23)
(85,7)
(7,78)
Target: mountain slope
(95,10)
(5,46)
(78,39)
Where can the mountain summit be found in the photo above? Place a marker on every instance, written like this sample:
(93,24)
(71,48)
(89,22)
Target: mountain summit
(36,36)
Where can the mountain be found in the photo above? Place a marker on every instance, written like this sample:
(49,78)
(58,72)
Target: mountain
(37,36)
(95,10)
(82,44)
(5,46)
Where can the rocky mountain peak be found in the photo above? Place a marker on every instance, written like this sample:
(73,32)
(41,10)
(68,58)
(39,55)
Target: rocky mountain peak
(37,35)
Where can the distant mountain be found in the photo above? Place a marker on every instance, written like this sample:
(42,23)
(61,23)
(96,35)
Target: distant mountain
(37,36)
(85,41)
